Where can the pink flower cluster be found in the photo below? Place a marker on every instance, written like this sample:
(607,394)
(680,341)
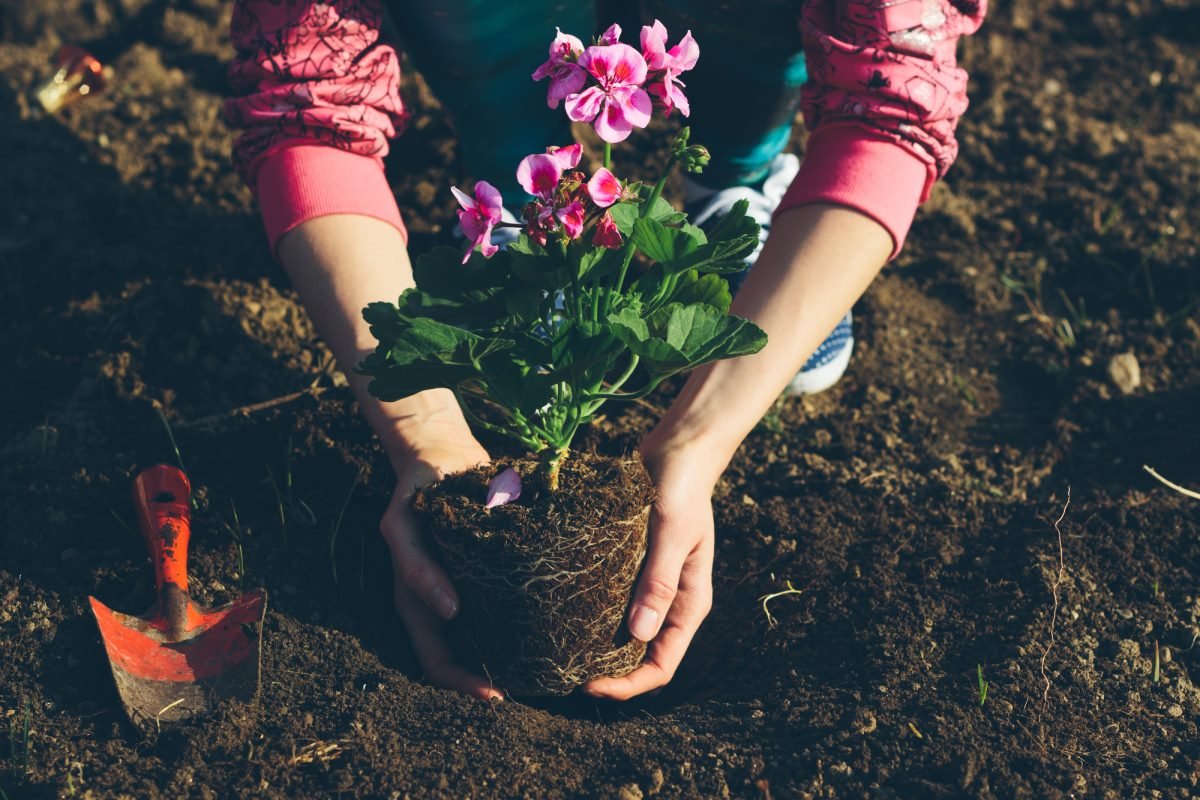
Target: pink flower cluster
(625,84)
(564,200)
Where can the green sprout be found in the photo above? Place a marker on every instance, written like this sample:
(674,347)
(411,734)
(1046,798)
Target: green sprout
(983,685)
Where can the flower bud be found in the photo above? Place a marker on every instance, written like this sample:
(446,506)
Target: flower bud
(695,158)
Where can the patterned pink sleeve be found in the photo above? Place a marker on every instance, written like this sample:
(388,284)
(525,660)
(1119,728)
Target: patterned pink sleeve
(882,101)
(318,99)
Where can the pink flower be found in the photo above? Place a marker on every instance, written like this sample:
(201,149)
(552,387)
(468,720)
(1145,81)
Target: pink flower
(612,35)
(618,104)
(540,173)
(666,88)
(604,188)
(478,215)
(606,234)
(571,217)
(504,488)
(566,77)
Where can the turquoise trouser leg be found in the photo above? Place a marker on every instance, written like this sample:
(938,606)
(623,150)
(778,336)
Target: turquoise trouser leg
(745,89)
(478,58)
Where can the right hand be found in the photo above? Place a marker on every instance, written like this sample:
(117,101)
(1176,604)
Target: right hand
(424,596)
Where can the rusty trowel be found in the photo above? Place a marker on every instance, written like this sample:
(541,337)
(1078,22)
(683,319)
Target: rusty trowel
(176,660)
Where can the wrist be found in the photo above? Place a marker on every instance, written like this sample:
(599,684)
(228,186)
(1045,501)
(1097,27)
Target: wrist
(410,427)
(677,454)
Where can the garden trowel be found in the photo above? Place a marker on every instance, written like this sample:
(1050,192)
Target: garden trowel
(176,660)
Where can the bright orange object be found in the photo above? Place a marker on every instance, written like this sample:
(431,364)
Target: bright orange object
(77,74)
(179,658)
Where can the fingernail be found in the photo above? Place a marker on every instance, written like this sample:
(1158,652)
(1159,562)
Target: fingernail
(644,623)
(441,602)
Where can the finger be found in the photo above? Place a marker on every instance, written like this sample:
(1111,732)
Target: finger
(414,568)
(434,654)
(667,650)
(656,589)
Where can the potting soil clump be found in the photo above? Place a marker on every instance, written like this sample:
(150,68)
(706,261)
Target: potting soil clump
(545,580)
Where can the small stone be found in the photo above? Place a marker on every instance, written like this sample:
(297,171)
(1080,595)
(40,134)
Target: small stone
(1175,710)
(1125,372)
(1052,87)
(656,781)
(629,791)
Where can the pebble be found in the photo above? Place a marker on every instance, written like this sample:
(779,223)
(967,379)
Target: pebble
(656,781)
(1125,372)
(1175,711)
(629,791)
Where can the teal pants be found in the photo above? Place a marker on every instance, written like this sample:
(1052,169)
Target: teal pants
(478,57)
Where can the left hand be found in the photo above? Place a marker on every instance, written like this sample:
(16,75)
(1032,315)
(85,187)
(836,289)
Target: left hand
(674,594)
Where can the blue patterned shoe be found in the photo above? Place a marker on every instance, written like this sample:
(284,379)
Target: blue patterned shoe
(828,363)
(706,206)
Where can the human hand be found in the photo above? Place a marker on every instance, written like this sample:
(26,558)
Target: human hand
(423,595)
(674,594)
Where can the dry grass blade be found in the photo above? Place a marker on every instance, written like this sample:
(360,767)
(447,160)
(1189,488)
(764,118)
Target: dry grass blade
(317,752)
(1175,486)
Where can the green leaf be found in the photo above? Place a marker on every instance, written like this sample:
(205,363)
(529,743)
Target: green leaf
(626,214)
(671,247)
(681,337)
(710,290)
(422,353)
(537,266)
(730,242)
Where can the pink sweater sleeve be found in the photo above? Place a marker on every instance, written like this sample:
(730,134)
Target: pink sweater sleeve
(317,98)
(883,98)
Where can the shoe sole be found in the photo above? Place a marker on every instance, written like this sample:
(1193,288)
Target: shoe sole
(818,379)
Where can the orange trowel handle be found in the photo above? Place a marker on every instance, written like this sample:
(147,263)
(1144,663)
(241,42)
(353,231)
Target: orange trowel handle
(162,496)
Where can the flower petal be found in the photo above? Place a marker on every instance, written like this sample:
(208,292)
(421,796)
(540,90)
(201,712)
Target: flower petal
(654,45)
(565,80)
(604,188)
(612,35)
(685,54)
(606,234)
(491,204)
(464,199)
(504,488)
(614,64)
(571,218)
(566,157)
(539,174)
(584,107)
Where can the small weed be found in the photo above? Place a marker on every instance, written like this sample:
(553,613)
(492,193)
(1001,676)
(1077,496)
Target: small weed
(238,535)
(18,741)
(983,685)
(1154,587)
(337,525)
(174,445)
(964,389)
(767,598)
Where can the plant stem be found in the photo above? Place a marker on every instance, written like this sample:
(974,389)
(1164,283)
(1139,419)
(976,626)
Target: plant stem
(552,466)
(629,248)
(608,155)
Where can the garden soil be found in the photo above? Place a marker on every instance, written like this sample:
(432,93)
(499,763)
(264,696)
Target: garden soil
(910,528)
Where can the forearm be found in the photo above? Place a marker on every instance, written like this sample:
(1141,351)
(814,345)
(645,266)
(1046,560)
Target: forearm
(818,260)
(338,264)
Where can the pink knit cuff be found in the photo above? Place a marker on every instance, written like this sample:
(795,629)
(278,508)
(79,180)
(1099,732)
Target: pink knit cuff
(299,183)
(853,166)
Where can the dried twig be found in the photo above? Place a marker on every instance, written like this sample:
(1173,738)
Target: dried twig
(245,411)
(1175,486)
(1054,589)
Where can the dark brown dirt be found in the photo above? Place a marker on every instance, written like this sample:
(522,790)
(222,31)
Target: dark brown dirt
(912,507)
(545,580)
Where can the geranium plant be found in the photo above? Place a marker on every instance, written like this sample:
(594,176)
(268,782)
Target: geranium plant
(605,276)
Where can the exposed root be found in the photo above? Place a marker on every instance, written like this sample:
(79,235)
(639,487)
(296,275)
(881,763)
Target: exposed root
(766,598)
(1175,486)
(545,587)
(1058,579)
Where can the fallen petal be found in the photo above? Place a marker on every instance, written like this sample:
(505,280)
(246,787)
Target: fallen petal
(504,488)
